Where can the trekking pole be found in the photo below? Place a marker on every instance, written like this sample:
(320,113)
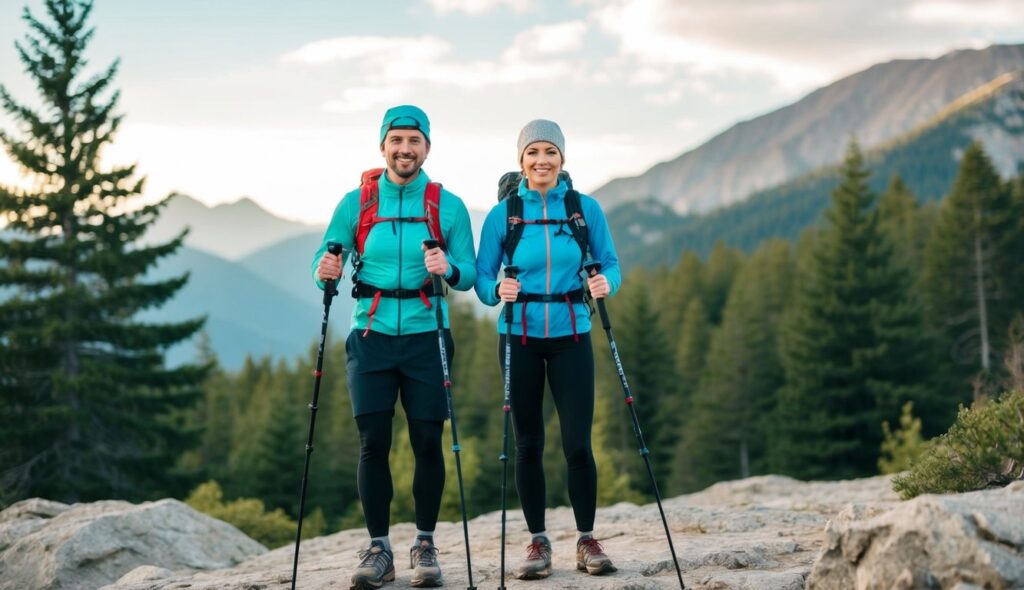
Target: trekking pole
(592,268)
(431,244)
(510,273)
(329,293)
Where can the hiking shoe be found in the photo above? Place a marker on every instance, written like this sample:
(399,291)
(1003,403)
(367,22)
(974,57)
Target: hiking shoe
(423,561)
(590,557)
(376,568)
(537,564)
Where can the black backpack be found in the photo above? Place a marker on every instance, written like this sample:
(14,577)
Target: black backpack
(508,191)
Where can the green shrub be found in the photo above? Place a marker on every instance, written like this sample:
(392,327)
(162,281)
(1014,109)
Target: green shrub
(902,448)
(250,516)
(983,449)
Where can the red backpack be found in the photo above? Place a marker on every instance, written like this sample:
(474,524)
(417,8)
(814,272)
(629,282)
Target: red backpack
(369,200)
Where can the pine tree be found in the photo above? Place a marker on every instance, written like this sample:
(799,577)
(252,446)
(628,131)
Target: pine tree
(970,265)
(851,349)
(900,222)
(89,409)
(682,284)
(726,424)
(647,361)
(280,451)
(692,348)
(723,264)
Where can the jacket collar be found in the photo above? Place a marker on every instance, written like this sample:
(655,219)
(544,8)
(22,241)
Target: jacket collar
(389,189)
(556,192)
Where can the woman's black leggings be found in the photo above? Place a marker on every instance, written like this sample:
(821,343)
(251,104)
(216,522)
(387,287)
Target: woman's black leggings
(373,476)
(569,368)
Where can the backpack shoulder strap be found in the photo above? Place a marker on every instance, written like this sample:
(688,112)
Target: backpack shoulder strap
(369,199)
(577,224)
(514,225)
(432,211)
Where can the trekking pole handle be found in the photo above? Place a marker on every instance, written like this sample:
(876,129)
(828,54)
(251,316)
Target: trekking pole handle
(329,285)
(511,272)
(593,267)
(430,244)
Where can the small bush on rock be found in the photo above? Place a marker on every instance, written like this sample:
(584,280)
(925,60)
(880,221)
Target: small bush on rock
(250,516)
(984,448)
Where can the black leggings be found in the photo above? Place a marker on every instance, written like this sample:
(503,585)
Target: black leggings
(373,477)
(569,368)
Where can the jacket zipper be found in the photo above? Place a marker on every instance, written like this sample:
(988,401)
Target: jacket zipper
(547,242)
(401,194)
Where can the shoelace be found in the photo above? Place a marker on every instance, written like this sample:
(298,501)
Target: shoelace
(536,550)
(427,556)
(369,558)
(592,546)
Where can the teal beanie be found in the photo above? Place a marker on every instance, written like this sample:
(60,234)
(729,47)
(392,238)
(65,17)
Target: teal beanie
(405,116)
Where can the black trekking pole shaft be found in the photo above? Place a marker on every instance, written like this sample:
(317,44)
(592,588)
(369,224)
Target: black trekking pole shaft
(592,269)
(510,272)
(438,298)
(329,293)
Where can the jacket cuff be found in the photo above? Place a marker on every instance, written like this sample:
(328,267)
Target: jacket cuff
(452,277)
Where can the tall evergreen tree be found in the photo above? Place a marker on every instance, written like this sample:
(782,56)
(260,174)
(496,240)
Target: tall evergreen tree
(682,284)
(970,266)
(647,360)
(900,222)
(851,350)
(89,409)
(692,348)
(723,264)
(726,424)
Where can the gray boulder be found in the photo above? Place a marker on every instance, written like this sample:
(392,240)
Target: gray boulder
(52,546)
(973,540)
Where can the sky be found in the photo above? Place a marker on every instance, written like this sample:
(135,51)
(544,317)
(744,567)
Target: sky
(281,101)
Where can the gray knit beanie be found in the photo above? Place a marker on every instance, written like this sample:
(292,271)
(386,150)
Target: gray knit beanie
(541,130)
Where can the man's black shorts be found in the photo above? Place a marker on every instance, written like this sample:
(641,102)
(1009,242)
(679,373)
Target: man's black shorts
(381,366)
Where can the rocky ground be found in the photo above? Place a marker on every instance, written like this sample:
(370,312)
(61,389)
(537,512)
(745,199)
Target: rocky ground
(762,533)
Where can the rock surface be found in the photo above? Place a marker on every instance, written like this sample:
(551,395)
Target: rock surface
(762,533)
(928,542)
(52,546)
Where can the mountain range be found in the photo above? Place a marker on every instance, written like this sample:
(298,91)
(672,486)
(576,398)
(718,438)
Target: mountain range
(767,176)
(874,106)
(650,233)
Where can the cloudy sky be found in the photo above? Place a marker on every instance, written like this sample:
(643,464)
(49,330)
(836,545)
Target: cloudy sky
(281,101)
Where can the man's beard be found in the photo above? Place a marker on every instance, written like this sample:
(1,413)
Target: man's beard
(415,167)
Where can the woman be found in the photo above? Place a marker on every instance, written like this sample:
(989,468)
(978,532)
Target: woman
(553,229)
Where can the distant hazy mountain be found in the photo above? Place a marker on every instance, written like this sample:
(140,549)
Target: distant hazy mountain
(875,106)
(230,231)
(263,302)
(927,159)
(246,314)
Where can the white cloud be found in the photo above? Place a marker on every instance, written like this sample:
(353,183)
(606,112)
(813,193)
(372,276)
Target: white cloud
(478,6)
(382,68)
(799,43)
(545,40)
(344,49)
(354,100)
(975,12)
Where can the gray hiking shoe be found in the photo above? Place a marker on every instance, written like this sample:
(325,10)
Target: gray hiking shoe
(423,560)
(376,568)
(537,564)
(591,558)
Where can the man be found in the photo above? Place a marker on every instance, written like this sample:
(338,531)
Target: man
(392,348)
